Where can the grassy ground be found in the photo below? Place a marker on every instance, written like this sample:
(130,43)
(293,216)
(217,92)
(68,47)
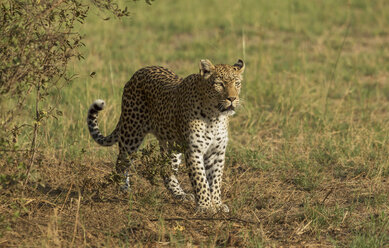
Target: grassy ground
(307,162)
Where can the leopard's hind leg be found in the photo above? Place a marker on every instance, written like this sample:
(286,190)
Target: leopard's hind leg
(132,134)
(127,146)
(170,177)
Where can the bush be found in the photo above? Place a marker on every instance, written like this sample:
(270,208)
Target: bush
(38,39)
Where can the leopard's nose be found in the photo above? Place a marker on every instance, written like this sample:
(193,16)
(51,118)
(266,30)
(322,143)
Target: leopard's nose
(231,99)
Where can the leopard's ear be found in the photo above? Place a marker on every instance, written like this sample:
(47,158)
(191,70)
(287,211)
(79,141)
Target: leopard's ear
(206,68)
(239,66)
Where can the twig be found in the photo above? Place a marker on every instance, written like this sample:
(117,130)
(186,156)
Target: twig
(300,230)
(76,221)
(66,198)
(327,195)
(37,200)
(35,135)
(231,219)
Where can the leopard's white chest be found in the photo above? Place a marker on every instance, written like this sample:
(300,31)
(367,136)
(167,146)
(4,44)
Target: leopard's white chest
(216,135)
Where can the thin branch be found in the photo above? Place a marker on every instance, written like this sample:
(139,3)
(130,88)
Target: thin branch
(76,221)
(231,219)
(35,134)
(327,195)
(66,198)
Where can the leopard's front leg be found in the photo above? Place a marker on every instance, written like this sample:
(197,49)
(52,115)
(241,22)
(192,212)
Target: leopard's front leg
(214,165)
(197,175)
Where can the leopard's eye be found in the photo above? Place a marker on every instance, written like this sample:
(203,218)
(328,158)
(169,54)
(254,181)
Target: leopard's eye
(218,83)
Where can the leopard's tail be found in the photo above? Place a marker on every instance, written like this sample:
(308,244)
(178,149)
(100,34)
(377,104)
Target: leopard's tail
(93,127)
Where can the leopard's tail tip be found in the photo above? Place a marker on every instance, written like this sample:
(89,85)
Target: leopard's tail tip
(98,105)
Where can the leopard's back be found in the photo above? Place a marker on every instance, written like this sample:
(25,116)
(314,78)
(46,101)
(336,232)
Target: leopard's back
(150,102)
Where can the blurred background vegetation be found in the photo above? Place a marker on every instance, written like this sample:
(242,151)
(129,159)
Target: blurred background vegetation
(315,95)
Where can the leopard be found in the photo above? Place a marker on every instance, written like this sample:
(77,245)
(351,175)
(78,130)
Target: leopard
(191,113)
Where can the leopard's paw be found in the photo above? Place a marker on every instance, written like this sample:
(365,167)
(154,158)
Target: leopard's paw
(223,208)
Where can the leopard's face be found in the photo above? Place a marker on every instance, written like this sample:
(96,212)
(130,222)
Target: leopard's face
(224,84)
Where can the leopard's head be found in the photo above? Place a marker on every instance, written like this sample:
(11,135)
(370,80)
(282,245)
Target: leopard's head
(224,84)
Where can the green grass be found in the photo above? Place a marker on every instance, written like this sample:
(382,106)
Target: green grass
(314,117)
(374,233)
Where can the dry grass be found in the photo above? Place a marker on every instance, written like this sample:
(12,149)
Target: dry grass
(76,204)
